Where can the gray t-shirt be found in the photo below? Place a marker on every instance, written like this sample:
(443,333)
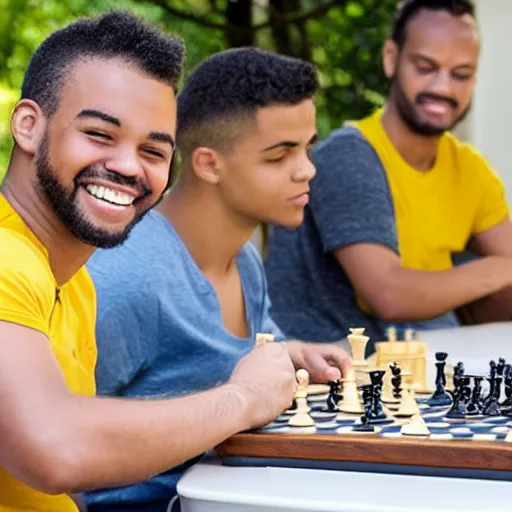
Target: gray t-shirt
(350,202)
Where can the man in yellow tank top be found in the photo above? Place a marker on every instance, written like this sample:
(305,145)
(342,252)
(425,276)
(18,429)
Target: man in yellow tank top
(396,195)
(94,140)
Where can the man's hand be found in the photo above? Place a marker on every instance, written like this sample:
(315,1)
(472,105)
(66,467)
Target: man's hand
(266,378)
(323,361)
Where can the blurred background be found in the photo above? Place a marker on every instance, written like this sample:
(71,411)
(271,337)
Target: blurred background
(343,38)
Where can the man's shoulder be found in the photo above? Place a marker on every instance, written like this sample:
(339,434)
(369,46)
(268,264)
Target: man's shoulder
(22,257)
(347,137)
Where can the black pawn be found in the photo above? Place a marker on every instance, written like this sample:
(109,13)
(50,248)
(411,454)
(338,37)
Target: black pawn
(440,395)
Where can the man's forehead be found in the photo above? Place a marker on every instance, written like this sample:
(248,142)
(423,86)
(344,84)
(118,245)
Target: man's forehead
(436,28)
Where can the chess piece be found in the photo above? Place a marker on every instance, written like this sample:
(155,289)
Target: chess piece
(506,405)
(391,334)
(396,381)
(377,412)
(301,418)
(409,334)
(350,403)
(449,372)
(263,337)
(358,342)
(440,395)
(334,395)
(461,393)
(366,419)
(474,406)
(415,427)
(408,405)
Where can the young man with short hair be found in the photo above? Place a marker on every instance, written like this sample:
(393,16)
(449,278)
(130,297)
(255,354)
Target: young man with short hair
(182,300)
(94,136)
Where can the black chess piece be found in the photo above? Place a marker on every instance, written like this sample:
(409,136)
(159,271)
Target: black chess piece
(474,406)
(500,367)
(440,395)
(460,393)
(506,405)
(396,380)
(376,377)
(494,387)
(334,395)
(366,418)
(491,405)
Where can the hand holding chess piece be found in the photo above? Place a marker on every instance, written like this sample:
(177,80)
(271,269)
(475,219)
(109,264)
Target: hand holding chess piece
(264,383)
(301,418)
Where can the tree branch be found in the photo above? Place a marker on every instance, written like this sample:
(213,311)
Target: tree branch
(302,16)
(203,21)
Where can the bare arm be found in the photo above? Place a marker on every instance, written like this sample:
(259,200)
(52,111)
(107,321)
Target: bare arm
(62,443)
(395,293)
(496,241)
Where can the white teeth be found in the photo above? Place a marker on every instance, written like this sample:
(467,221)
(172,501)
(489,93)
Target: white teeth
(110,195)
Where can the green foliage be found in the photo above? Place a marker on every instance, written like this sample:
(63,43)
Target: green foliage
(343,39)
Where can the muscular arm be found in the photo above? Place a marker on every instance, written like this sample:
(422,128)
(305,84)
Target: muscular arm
(62,443)
(395,293)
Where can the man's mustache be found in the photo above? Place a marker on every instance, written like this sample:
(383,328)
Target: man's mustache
(95,171)
(426,96)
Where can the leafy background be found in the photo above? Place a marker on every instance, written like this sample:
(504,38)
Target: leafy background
(343,38)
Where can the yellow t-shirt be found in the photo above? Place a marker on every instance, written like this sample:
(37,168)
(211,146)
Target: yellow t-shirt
(438,210)
(28,296)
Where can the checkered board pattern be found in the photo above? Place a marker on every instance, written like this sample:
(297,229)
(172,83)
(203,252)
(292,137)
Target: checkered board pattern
(478,428)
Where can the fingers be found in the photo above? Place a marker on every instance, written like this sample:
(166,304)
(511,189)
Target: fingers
(331,362)
(320,370)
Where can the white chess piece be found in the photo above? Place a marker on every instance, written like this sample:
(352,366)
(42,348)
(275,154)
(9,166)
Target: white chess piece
(301,418)
(358,342)
(263,337)
(350,403)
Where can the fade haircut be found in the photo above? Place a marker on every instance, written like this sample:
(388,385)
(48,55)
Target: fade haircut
(116,34)
(409,9)
(220,99)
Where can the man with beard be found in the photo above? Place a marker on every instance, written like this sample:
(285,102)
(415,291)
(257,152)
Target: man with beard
(395,196)
(193,291)
(94,139)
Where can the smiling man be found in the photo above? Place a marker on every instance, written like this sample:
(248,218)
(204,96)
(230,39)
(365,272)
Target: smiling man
(396,194)
(183,299)
(94,140)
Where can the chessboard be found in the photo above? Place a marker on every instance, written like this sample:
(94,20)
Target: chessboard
(462,428)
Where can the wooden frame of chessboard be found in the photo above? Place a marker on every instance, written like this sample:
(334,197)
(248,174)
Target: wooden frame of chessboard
(359,448)
(452,454)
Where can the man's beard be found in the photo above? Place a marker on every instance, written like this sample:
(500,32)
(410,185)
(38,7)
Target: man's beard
(412,119)
(65,204)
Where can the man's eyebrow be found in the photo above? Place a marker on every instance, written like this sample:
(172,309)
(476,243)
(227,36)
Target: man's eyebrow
(289,144)
(162,137)
(98,114)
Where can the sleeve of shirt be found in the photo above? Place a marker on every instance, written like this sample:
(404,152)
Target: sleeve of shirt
(27,291)
(493,207)
(126,323)
(350,198)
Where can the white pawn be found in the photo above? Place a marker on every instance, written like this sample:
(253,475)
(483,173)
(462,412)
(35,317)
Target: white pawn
(301,418)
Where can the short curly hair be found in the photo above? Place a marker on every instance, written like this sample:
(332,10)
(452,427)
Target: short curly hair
(226,90)
(409,9)
(116,34)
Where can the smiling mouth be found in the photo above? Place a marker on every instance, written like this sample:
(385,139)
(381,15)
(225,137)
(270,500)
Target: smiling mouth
(110,195)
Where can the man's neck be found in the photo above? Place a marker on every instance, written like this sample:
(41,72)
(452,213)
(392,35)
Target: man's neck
(419,151)
(66,253)
(212,235)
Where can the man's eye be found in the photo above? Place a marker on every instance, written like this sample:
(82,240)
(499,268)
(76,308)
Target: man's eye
(423,70)
(98,135)
(275,160)
(155,153)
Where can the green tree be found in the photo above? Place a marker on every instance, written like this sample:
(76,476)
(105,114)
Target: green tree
(342,38)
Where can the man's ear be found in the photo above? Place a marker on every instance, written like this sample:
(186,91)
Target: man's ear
(389,58)
(28,125)
(205,163)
